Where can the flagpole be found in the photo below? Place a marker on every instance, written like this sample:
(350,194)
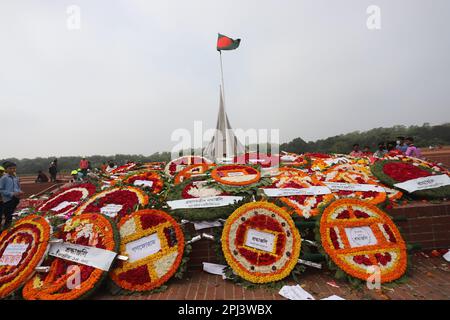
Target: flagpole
(221,73)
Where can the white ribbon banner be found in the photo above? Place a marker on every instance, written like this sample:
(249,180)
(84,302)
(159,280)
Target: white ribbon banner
(424,183)
(90,256)
(13,254)
(335,186)
(286,192)
(206,202)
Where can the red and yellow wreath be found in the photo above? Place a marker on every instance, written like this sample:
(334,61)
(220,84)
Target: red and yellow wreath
(124,169)
(154,244)
(67,200)
(176,165)
(22,249)
(373,197)
(260,242)
(192,170)
(147,179)
(236,175)
(357,236)
(94,230)
(304,205)
(115,202)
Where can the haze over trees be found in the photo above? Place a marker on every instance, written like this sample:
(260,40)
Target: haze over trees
(424,136)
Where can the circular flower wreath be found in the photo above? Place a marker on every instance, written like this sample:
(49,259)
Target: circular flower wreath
(235,175)
(391,172)
(32,234)
(176,165)
(154,269)
(304,205)
(197,187)
(128,199)
(373,197)
(264,160)
(247,235)
(357,235)
(192,170)
(93,230)
(139,179)
(123,169)
(67,200)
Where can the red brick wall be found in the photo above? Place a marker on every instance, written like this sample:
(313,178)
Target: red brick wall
(427,224)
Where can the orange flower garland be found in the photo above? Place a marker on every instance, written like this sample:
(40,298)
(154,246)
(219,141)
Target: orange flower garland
(304,205)
(153,176)
(176,165)
(357,235)
(191,170)
(161,262)
(235,175)
(260,242)
(373,197)
(33,232)
(128,197)
(93,230)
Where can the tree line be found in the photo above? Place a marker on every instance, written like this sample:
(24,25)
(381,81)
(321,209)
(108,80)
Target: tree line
(424,136)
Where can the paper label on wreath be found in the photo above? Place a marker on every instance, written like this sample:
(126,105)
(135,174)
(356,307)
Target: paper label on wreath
(286,192)
(111,209)
(89,256)
(288,158)
(143,183)
(13,254)
(336,186)
(235,174)
(295,293)
(206,202)
(424,183)
(260,240)
(360,236)
(198,225)
(256,160)
(143,247)
(336,161)
(213,268)
(63,205)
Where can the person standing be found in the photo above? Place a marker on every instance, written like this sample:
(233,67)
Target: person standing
(401,146)
(84,166)
(356,151)
(53,170)
(412,150)
(380,153)
(10,192)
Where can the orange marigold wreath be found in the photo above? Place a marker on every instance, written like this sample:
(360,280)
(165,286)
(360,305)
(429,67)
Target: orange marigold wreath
(359,236)
(32,234)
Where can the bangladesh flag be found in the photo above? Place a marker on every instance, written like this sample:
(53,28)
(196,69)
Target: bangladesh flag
(225,43)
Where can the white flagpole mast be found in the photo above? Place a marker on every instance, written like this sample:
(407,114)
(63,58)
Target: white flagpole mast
(221,73)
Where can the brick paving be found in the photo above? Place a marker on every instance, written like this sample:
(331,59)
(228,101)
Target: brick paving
(429,279)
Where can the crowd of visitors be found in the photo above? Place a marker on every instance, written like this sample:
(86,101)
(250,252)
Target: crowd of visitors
(401,146)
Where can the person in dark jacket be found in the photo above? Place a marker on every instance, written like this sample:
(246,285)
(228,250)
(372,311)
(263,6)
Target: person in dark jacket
(10,192)
(42,177)
(53,170)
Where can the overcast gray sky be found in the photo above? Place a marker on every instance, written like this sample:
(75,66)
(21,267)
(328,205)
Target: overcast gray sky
(138,70)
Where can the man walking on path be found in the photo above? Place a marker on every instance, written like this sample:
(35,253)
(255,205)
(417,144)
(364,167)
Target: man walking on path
(10,192)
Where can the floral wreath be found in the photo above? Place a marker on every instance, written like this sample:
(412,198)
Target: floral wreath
(373,197)
(138,179)
(304,205)
(357,236)
(192,170)
(236,175)
(127,199)
(391,172)
(33,232)
(153,270)
(67,200)
(246,257)
(94,230)
(176,165)
(198,187)
(264,160)
(124,168)
(295,160)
